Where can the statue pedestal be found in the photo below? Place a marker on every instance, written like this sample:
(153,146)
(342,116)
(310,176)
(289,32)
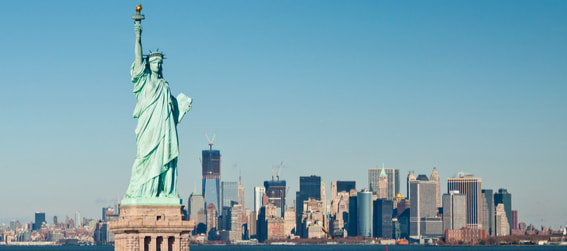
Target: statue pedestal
(151,228)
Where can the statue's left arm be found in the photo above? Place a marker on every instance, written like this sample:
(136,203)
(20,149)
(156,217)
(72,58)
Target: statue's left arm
(183,105)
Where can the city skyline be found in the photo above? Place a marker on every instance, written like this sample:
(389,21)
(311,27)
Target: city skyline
(329,88)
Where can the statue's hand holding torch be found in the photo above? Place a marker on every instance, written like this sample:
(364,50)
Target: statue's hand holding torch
(138,20)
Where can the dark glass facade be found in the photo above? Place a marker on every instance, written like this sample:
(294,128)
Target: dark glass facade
(503,197)
(345,186)
(383,226)
(39,219)
(211,164)
(309,188)
(352,216)
(211,178)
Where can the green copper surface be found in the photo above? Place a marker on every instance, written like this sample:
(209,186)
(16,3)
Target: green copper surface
(154,172)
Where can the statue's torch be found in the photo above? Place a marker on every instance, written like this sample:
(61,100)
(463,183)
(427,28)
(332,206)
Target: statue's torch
(138,17)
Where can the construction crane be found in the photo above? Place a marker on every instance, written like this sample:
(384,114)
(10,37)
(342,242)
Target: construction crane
(279,170)
(211,143)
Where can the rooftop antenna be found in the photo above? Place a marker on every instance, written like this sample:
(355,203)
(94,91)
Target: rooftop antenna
(272,172)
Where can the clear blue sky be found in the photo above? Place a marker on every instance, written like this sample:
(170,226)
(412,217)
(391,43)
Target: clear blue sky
(330,88)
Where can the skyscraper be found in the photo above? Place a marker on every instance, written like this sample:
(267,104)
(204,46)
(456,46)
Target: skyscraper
(196,212)
(211,178)
(383,226)
(78,219)
(275,190)
(364,208)
(471,186)
(411,177)
(505,198)
(39,219)
(514,225)
(212,221)
(309,188)
(258,193)
(454,210)
(435,177)
(502,225)
(352,225)
(382,185)
(229,193)
(423,212)
(345,186)
(393,180)
(241,194)
(488,211)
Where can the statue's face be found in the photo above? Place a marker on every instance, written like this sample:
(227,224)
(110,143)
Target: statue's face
(155,66)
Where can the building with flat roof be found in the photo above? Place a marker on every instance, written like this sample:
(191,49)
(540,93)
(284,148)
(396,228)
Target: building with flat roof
(423,212)
(505,198)
(345,186)
(309,188)
(454,210)
(229,193)
(39,220)
(197,213)
(488,211)
(383,225)
(471,186)
(364,208)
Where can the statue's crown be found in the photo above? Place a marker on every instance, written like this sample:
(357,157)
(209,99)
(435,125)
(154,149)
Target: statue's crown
(156,54)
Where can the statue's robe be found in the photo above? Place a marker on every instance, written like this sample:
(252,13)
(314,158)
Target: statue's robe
(154,171)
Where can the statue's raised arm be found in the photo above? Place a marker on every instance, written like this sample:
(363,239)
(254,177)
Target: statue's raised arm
(138,29)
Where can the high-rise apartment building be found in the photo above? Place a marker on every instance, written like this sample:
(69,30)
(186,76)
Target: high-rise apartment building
(488,211)
(392,181)
(454,211)
(471,186)
(505,198)
(435,178)
(211,170)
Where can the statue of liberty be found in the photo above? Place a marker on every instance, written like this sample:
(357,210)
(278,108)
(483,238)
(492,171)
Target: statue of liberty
(154,173)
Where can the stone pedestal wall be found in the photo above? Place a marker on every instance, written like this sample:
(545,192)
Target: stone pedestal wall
(151,228)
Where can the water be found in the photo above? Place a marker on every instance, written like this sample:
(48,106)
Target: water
(302,248)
